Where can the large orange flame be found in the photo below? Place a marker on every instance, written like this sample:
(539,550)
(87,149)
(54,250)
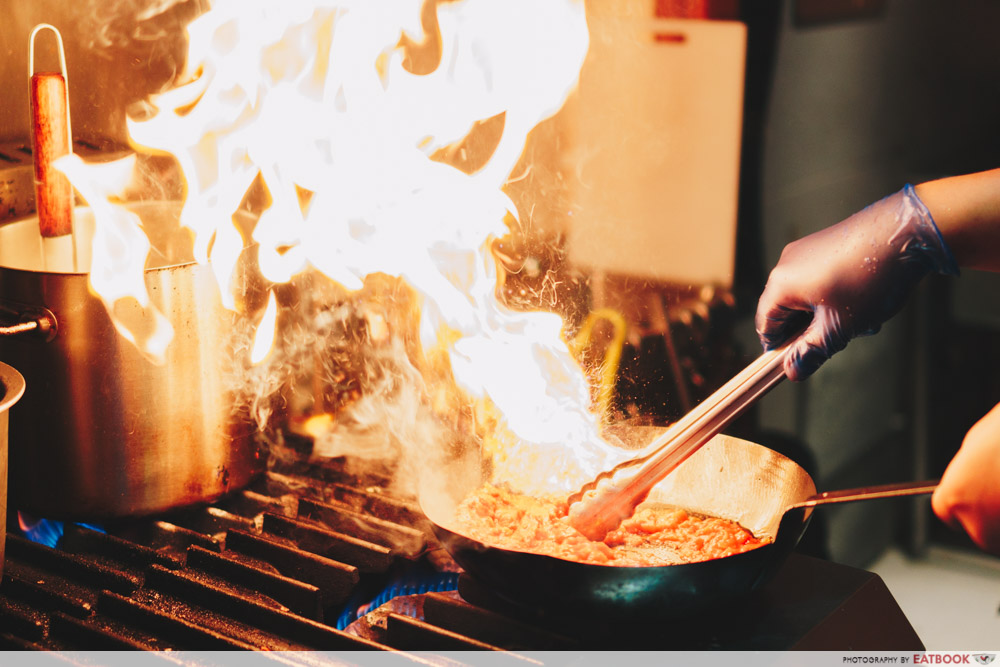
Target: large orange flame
(336,109)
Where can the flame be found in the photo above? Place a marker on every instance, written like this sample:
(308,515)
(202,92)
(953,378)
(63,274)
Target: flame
(264,337)
(47,531)
(119,252)
(335,114)
(316,425)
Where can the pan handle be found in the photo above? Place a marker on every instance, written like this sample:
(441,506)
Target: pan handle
(897,490)
(20,320)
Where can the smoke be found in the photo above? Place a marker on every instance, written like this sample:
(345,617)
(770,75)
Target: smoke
(126,23)
(353,359)
(391,421)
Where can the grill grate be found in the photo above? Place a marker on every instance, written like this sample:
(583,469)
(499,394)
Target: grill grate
(268,568)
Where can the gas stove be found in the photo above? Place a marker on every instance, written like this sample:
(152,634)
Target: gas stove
(311,558)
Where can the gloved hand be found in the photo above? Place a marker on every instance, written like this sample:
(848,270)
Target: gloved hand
(850,277)
(968,496)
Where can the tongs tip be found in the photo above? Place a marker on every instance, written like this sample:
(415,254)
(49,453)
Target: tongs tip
(605,507)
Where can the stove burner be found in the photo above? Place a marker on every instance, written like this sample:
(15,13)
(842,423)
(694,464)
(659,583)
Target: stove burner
(46,531)
(407,583)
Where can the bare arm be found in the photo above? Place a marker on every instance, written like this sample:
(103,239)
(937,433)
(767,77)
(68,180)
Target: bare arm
(967,211)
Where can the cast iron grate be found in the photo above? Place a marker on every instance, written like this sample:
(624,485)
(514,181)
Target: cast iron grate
(272,567)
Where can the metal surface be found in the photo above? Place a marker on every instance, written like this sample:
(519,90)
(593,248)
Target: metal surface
(12,384)
(762,490)
(104,431)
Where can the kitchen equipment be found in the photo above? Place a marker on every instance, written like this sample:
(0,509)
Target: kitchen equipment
(12,384)
(104,431)
(51,139)
(765,492)
(615,493)
(291,559)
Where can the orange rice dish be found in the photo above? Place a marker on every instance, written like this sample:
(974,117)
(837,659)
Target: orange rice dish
(655,535)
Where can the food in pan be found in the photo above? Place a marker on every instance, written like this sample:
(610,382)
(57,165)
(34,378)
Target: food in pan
(655,535)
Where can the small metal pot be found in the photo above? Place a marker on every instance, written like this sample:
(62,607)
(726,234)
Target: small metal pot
(12,386)
(103,432)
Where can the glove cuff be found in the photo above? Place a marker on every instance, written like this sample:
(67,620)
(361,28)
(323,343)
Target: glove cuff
(923,241)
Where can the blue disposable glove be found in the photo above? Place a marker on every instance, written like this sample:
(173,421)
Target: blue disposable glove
(851,278)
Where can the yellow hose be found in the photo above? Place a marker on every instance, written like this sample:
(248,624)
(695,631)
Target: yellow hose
(612,355)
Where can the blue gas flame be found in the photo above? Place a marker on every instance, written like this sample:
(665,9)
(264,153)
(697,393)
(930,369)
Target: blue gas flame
(408,583)
(46,531)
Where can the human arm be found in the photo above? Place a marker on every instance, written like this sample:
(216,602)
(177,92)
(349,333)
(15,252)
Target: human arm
(968,495)
(851,277)
(966,210)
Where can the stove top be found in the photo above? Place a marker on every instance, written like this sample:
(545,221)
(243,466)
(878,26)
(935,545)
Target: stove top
(289,564)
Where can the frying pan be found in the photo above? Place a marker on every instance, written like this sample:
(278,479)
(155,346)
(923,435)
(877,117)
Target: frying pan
(765,492)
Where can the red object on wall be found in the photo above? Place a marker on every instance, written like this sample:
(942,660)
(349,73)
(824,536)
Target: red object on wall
(697,9)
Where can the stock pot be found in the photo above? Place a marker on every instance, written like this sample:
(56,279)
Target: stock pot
(103,431)
(11,390)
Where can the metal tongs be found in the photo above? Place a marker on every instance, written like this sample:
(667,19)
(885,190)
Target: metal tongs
(601,504)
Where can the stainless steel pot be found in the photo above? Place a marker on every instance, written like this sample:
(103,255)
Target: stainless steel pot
(12,386)
(103,431)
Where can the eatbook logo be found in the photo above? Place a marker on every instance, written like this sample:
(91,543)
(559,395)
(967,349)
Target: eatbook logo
(984,658)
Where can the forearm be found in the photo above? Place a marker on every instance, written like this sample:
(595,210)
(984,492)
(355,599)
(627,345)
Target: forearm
(967,211)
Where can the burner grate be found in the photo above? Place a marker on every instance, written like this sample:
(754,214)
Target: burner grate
(268,568)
